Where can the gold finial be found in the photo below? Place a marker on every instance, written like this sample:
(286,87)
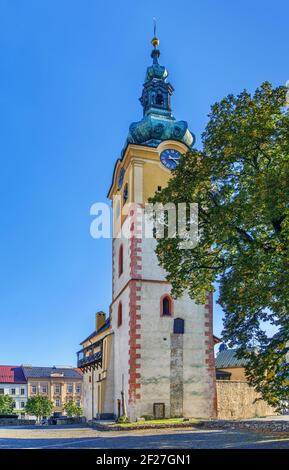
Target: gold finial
(155,41)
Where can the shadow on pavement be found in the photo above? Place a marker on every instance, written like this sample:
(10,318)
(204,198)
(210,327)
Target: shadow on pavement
(182,440)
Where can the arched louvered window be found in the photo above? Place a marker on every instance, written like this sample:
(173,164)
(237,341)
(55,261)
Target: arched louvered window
(159,99)
(179,326)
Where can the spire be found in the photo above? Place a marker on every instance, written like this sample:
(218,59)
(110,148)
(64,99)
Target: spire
(156,95)
(158,123)
(155,42)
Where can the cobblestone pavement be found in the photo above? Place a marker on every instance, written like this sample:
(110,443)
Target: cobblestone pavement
(84,437)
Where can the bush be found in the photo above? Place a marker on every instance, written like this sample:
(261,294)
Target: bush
(147,417)
(122,420)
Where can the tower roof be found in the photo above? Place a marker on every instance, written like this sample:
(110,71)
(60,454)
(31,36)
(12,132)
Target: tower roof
(158,123)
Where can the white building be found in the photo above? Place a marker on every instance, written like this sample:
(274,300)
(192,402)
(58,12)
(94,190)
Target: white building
(14,384)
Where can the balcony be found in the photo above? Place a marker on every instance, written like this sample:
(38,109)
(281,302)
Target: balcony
(87,360)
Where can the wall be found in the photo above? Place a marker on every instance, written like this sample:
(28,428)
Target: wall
(157,372)
(16,422)
(235,400)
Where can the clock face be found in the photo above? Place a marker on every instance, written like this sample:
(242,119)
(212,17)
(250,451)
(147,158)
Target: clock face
(120,178)
(170,158)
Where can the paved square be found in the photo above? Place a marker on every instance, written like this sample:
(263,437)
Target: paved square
(72,437)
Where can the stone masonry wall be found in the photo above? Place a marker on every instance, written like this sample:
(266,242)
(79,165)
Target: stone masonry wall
(16,422)
(236,401)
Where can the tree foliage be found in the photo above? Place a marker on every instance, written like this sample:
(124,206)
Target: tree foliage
(72,409)
(39,406)
(6,405)
(240,181)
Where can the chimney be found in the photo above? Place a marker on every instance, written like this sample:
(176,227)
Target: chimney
(99,320)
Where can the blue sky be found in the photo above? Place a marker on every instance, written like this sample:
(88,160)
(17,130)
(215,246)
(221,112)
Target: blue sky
(71,73)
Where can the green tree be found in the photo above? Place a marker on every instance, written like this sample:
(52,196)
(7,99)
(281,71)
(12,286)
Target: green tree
(39,406)
(240,181)
(6,405)
(72,409)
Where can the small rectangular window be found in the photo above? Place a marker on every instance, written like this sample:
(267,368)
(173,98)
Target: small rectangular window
(22,392)
(1,391)
(13,391)
(33,389)
(179,326)
(69,388)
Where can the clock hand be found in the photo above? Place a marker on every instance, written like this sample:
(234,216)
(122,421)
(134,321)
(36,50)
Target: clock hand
(171,158)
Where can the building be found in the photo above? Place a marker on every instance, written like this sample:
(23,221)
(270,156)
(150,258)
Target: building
(160,359)
(14,384)
(96,359)
(229,367)
(59,384)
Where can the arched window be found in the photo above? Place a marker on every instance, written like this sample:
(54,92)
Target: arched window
(159,99)
(166,306)
(179,326)
(119,315)
(120,260)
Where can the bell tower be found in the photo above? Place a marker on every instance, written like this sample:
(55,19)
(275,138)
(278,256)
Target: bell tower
(163,347)
(156,95)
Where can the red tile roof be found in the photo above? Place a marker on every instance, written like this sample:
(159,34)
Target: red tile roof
(12,375)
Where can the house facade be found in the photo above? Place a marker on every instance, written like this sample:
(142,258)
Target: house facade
(60,385)
(161,359)
(14,384)
(95,360)
(229,367)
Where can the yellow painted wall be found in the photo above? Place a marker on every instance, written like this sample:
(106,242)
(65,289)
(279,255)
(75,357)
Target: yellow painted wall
(154,175)
(238,373)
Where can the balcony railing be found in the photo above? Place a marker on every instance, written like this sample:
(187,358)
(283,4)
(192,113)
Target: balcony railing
(91,361)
